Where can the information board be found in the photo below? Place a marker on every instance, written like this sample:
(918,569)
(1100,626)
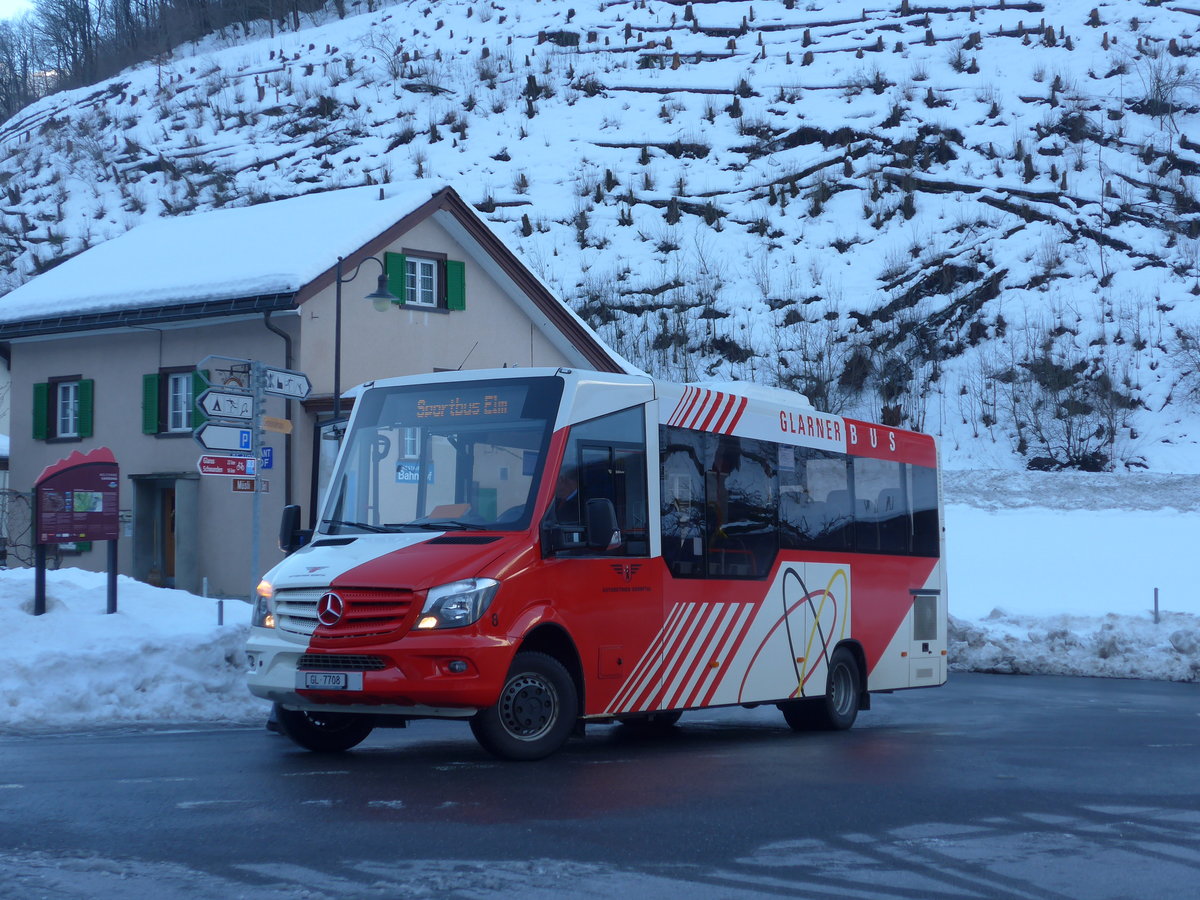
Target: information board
(78,499)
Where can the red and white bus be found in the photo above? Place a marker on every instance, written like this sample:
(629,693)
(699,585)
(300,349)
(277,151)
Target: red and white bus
(530,550)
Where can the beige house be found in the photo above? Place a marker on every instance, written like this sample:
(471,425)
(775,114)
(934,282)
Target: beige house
(104,351)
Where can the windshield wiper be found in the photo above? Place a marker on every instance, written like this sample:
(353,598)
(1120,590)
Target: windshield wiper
(447,525)
(365,526)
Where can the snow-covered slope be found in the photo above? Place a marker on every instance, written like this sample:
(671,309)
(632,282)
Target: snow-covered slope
(980,219)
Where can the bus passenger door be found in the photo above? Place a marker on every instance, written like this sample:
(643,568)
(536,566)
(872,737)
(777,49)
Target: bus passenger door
(609,597)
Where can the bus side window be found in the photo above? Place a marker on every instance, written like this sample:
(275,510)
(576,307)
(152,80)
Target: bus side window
(924,499)
(829,484)
(682,494)
(881,514)
(741,493)
(606,459)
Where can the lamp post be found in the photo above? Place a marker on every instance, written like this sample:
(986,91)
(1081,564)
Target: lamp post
(381,298)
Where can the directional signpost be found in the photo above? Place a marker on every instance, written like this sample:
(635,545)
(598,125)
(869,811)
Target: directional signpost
(225,437)
(237,425)
(221,404)
(286,383)
(233,466)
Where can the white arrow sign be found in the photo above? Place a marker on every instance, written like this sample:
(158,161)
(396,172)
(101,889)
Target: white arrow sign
(224,437)
(224,405)
(285,383)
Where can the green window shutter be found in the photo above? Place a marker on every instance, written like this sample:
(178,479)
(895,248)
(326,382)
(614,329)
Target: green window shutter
(150,404)
(41,411)
(87,405)
(396,267)
(199,386)
(456,284)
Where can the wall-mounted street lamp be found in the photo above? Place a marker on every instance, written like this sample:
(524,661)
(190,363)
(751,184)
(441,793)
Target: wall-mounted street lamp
(381,298)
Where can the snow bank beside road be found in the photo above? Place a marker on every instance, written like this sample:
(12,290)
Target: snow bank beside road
(160,658)
(1111,646)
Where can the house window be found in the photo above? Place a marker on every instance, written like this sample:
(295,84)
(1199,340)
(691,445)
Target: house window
(62,409)
(169,401)
(66,409)
(179,401)
(412,443)
(427,280)
(422,282)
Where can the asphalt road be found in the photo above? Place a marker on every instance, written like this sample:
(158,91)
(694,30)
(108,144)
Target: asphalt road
(993,786)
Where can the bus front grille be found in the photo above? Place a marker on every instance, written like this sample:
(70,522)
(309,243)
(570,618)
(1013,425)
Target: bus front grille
(365,612)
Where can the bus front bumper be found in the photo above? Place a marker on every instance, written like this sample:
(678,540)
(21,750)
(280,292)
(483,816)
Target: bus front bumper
(418,676)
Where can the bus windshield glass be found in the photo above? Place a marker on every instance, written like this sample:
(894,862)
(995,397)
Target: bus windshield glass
(439,457)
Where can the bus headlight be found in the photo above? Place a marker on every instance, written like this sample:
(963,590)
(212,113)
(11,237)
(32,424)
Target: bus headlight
(458,603)
(260,616)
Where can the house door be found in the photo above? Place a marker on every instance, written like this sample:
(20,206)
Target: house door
(166,531)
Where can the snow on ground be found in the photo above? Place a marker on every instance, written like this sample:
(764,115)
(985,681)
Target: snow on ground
(1048,573)
(160,658)
(1053,573)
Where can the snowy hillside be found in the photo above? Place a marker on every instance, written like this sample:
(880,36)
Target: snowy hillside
(978,220)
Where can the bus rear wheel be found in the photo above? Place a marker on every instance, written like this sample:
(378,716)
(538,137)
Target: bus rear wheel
(838,709)
(536,711)
(324,732)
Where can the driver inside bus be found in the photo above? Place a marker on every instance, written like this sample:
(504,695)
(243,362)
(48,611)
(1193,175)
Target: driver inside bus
(566,497)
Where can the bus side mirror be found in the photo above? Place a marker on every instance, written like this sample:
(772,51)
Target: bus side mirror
(603,530)
(291,536)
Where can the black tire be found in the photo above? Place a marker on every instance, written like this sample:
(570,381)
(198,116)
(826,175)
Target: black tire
(652,724)
(324,732)
(838,709)
(536,711)
(801,715)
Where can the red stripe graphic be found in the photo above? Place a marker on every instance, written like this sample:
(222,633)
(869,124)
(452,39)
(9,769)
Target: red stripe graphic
(729,656)
(689,394)
(696,397)
(700,411)
(698,666)
(700,623)
(711,677)
(719,424)
(680,661)
(648,667)
(737,417)
(717,400)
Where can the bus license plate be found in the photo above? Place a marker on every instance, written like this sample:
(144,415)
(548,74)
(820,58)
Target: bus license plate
(329,681)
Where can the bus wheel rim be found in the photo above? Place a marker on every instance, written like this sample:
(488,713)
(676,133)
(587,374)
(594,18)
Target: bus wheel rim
(528,707)
(841,690)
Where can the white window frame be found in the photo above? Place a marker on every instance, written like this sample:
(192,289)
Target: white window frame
(179,402)
(412,443)
(422,282)
(66,409)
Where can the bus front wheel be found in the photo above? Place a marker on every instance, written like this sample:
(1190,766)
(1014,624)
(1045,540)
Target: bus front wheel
(536,711)
(324,732)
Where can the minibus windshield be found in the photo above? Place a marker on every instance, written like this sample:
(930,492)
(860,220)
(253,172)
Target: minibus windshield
(443,456)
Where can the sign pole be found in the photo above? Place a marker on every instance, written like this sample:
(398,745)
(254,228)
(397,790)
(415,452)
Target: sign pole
(39,568)
(259,378)
(112,577)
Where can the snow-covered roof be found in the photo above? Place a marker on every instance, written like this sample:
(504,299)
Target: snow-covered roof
(271,248)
